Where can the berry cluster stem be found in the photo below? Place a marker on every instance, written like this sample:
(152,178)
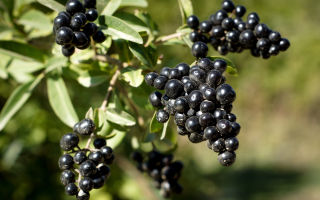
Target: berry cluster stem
(169,37)
(113,81)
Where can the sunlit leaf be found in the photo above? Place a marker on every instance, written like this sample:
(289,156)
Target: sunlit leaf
(111,7)
(155,126)
(52,4)
(133,21)
(117,139)
(164,130)
(133,76)
(186,9)
(120,117)
(146,55)
(135,3)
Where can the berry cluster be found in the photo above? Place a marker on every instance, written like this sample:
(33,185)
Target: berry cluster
(92,168)
(72,29)
(227,34)
(162,169)
(201,103)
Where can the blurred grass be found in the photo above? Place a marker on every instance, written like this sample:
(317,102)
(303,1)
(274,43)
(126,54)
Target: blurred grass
(277,105)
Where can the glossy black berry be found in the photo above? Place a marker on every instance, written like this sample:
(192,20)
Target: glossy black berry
(211,133)
(206,119)
(223,49)
(155,99)
(240,11)
(160,82)
(207,106)
(90,29)
(194,36)
(219,114)
(149,78)
(224,127)
(195,137)
(175,74)
(199,50)
(228,5)
(68,50)
(98,182)
(99,37)
(241,26)
(255,52)
(263,44)
(227,158)
(220,65)
(227,24)
(87,168)
(80,157)
(198,75)
(237,21)
(235,129)
(218,145)
(76,23)
(80,39)
(65,14)
(107,152)
(64,35)
(203,87)
(67,176)
(74,6)
(193,22)
(274,37)
(86,184)
(162,116)
(174,88)
(170,107)
(252,23)
(60,21)
(225,94)
(92,14)
(83,195)
(71,189)
(193,125)
(69,141)
(99,142)
(214,41)
(205,26)
(165,71)
(90,3)
(231,117)
(180,119)
(82,16)
(183,69)
(189,86)
(233,36)
(182,130)
(213,78)
(217,32)
(205,64)
(247,38)
(165,100)
(95,156)
(104,170)
(253,15)
(209,94)
(195,98)
(181,105)
(284,44)
(231,144)
(274,49)
(261,31)
(65,162)
(85,127)
(218,17)
(110,160)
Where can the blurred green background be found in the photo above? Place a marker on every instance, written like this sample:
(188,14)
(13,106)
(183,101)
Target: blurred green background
(277,106)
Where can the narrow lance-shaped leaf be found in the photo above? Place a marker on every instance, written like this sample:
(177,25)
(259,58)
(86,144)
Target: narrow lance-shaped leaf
(21,50)
(52,4)
(185,8)
(136,3)
(119,29)
(117,138)
(111,7)
(155,126)
(16,100)
(133,76)
(120,117)
(144,54)
(164,130)
(133,21)
(60,101)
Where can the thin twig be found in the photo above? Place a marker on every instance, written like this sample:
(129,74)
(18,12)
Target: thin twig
(169,37)
(110,88)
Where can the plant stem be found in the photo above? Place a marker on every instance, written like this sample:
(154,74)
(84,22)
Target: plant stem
(113,81)
(169,37)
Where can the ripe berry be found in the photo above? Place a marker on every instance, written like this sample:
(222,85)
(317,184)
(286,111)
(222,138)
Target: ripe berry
(69,141)
(90,3)
(87,168)
(107,152)
(241,26)
(64,35)
(189,86)
(96,156)
(284,44)
(195,137)
(192,124)
(228,5)
(67,177)
(225,94)
(82,16)
(104,170)
(274,37)
(80,39)
(165,71)
(68,50)
(198,75)
(223,49)
(155,99)
(162,116)
(261,31)
(76,23)
(60,21)
(205,64)
(65,14)
(92,14)
(71,189)
(231,117)
(247,38)
(265,54)
(86,184)
(227,158)
(219,114)
(253,15)
(255,52)
(263,44)
(90,29)
(180,119)
(211,133)
(83,195)
(74,6)
(174,88)
(224,127)
(231,144)
(199,50)
(237,21)
(183,69)
(218,145)
(227,24)
(65,162)
(165,100)
(218,17)
(193,22)
(233,36)
(214,78)
(195,98)
(214,41)
(209,94)
(207,106)
(194,36)
(175,74)
(181,105)
(205,26)
(182,130)
(99,37)
(149,78)
(235,129)
(160,82)
(206,119)
(203,87)
(252,23)
(170,107)
(99,142)
(79,157)
(217,32)
(85,127)
(98,182)
(240,11)
(274,49)
(220,65)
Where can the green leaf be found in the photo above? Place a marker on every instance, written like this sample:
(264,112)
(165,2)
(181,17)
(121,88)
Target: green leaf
(89,114)
(120,117)
(119,29)
(133,21)
(111,7)
(186,9)
(117,139)
(21,50)
(52,4)
(60,101)
(104,128)
(133,76)
(36,21)
(145,54)
(91,81)
(164,130)
(155,126)
(16,100)
(134,3)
